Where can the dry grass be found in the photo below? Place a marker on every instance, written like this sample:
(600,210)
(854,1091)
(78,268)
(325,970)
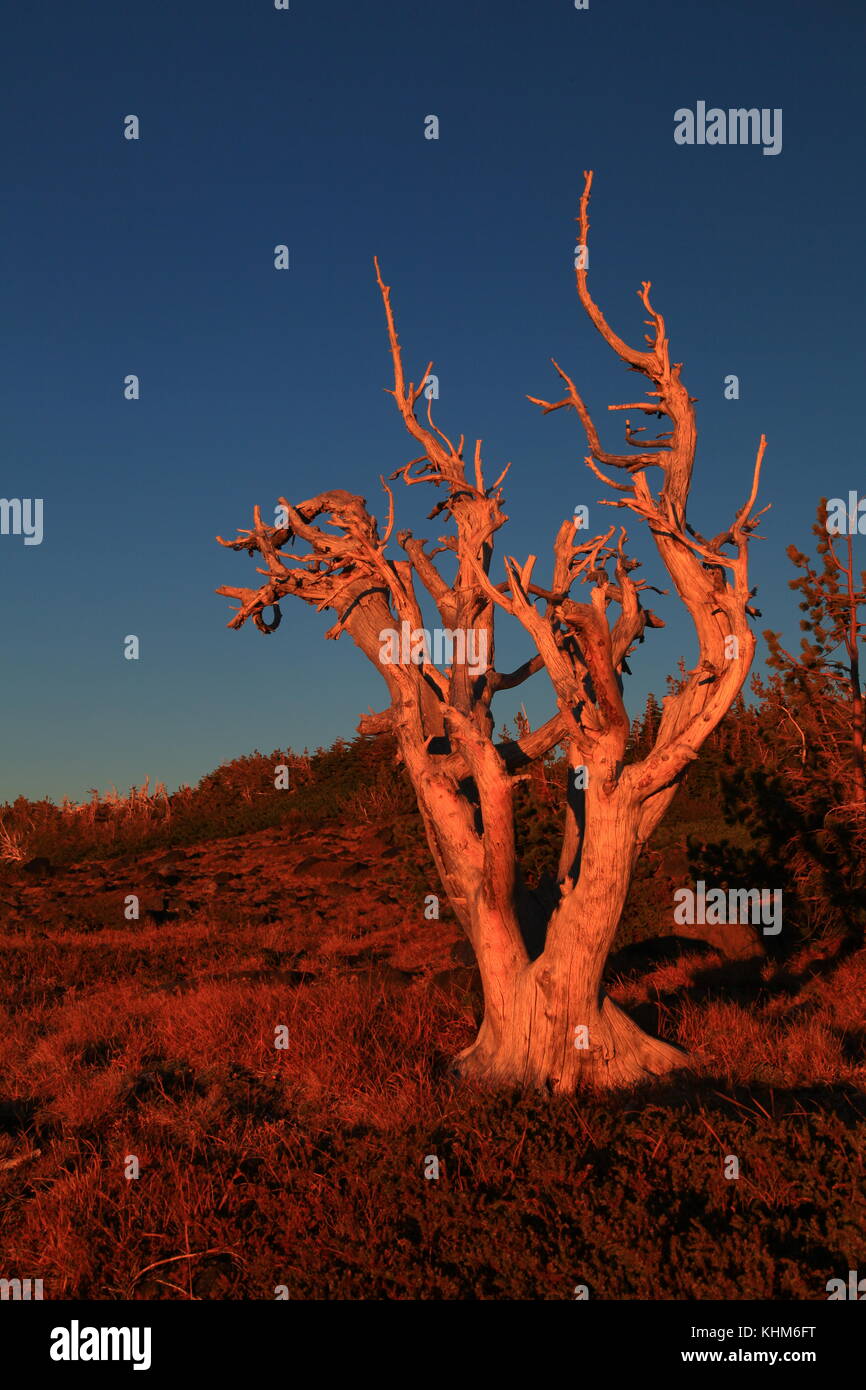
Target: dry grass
(304,1166)
(262,1166)
(13,844)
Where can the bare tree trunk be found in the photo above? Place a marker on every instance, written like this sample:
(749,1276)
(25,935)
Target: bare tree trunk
(549,1022)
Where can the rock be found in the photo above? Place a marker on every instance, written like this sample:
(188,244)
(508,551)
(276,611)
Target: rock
(343,890)
(168,873)
(329,870)
(733,940)
(370,846)
(40,867)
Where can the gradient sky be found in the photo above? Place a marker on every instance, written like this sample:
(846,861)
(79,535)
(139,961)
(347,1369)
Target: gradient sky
(306,127)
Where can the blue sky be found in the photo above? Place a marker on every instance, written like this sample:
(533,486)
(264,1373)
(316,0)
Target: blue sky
(306,127)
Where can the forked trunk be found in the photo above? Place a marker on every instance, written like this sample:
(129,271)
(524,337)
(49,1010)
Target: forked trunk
(548,1021)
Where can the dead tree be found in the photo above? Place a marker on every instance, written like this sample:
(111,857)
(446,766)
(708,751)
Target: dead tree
(547,1020)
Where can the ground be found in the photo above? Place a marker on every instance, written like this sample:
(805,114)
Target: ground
(303,1168)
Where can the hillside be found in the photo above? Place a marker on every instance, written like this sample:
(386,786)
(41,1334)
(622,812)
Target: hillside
(304,1166)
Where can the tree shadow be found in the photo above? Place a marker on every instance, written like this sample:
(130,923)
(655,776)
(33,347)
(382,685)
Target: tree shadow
(744,981)
(758,1100)
(654,951)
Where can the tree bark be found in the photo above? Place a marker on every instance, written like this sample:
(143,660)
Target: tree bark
(548,1022)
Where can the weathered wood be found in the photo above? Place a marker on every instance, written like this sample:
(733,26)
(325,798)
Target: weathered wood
(547,1021)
